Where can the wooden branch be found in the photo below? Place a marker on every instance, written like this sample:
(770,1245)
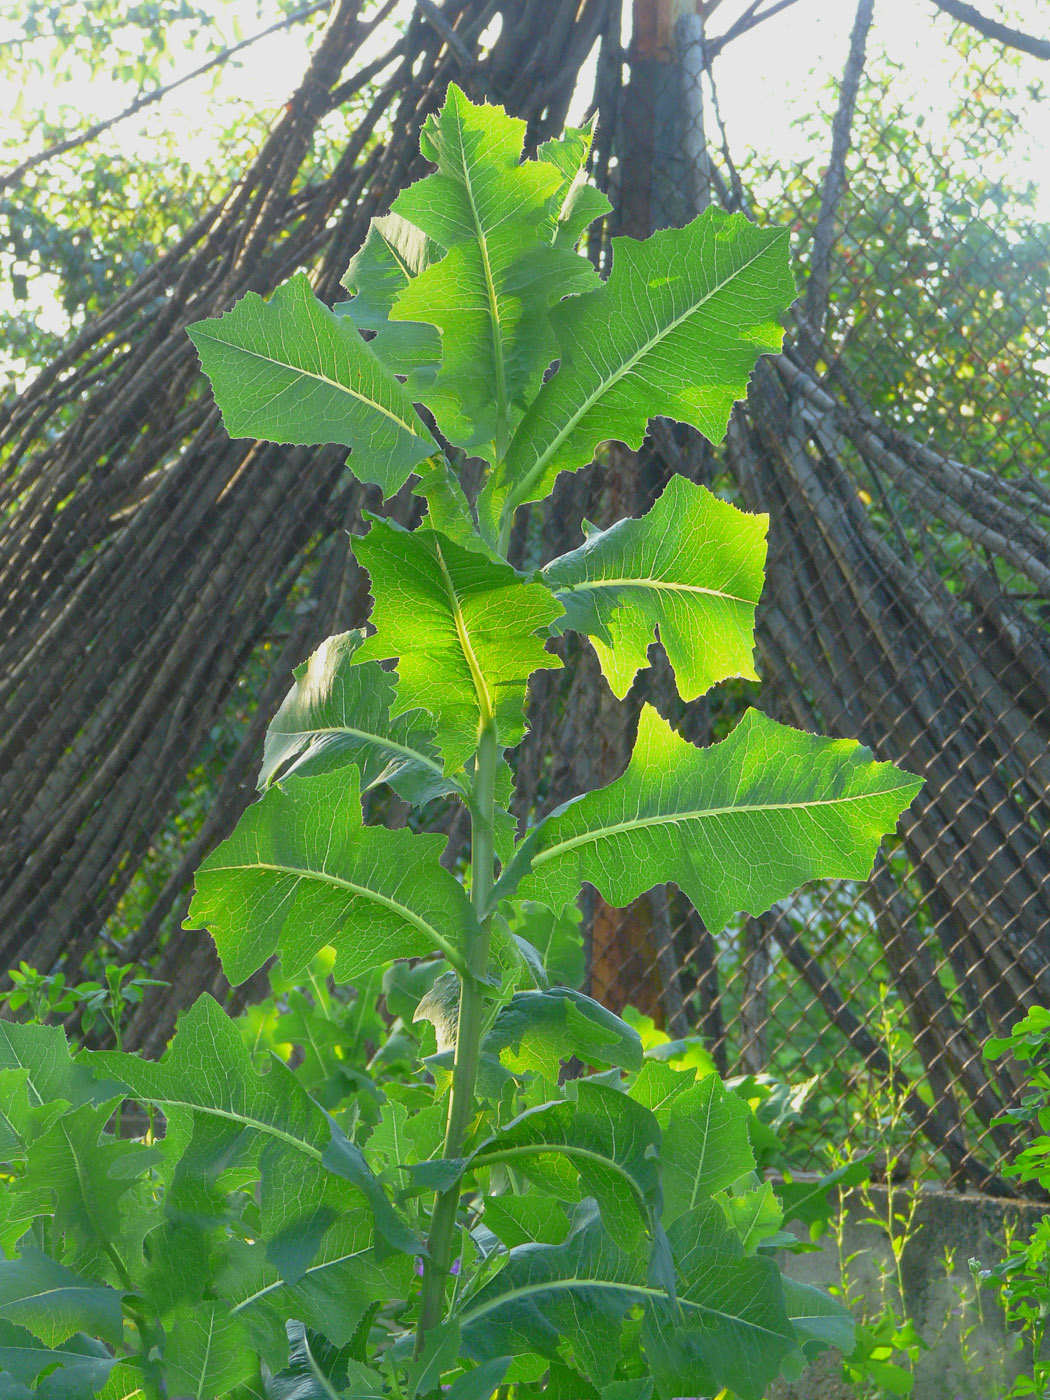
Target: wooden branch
(753,16)
(815,304)
(993,29)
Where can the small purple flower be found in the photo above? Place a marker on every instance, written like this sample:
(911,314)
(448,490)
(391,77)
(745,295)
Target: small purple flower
(455,1266)
(419,1265)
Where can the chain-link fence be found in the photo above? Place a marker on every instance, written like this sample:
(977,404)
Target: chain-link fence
(161,582)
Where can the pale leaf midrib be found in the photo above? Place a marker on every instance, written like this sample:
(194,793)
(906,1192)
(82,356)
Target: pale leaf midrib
(490,288)
(608,1285)
(566,1149)
(694,814)
(313,1269)
(486,703)
(366,736)
(656,584)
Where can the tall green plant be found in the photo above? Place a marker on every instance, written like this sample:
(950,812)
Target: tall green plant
(494,1229)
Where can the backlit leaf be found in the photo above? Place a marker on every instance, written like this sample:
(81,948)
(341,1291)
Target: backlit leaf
(577,203)
(394,251)
(536,1030)
(690,570)
(463,628)
(675,330)
(338,713)
(289,370)
(301,871)
(491,293)
(736,826)
(706,1145)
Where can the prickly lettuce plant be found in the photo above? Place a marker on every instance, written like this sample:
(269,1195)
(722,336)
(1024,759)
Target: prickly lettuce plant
(474,1226)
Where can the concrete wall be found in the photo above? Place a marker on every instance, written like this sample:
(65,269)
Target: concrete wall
(973,1226)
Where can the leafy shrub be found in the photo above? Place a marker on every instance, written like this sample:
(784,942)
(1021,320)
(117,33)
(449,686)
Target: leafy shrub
(490,1224)
(1022,1279)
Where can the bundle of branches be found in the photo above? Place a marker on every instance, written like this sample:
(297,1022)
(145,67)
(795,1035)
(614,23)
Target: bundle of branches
(143,554)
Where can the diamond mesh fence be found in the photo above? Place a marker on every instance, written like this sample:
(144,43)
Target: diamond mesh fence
(161,582)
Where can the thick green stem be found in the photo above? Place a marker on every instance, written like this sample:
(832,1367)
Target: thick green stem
(468,1034)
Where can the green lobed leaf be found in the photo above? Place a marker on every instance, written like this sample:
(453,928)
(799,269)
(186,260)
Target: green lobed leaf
(675,330)
(95,1179)
(736,826)
(18,1210)
(463,627)
(729,1328)
(553,1299)
(289,370)
(51,1073)
(54,1303)
(125,1382)
(207,1352)
(657,1085)
(611,1141)
(227,1113)
(690,570)
(706,1145)
(536,1030)
(338,713)
(332,1294)
(556,939)
(756,1216)
(22,1117)
(490,294)
(481,1382)
(439,1354)
(819,1320)
(317,1370)
(78,1367)
(394,251)
(302,871)
(534,1218)
(629,1390)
